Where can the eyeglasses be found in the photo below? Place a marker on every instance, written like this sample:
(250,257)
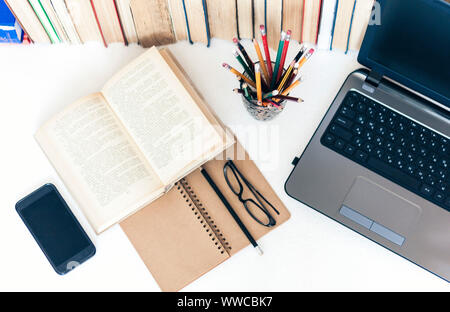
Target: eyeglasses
(256,208)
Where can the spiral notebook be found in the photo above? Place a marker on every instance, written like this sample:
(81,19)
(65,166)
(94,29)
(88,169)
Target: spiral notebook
(188,231)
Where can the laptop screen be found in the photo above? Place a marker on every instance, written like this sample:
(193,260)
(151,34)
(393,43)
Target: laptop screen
(411,45)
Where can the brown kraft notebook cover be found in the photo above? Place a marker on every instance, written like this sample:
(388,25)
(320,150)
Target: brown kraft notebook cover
(188,231)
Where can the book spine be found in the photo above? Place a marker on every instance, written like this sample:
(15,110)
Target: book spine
(68,30)
(303,22)
(125,40)
(319,13)
(201,212)
(208,32)
(238,35)
(44,20)
(98,23)
(350,28)
(188,30)
(334,24)
(49,21)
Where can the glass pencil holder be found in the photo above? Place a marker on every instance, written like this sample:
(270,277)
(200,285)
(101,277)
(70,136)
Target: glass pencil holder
(263,113)
(260,112)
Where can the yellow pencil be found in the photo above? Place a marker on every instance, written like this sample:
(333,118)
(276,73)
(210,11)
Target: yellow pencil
(258,83)
(261,61)
(234,71)
(287,75)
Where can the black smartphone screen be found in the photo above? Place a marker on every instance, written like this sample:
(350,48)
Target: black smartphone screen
(55,228)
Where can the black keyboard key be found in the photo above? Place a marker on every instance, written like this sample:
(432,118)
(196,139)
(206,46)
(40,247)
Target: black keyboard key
(341,132)
(347,112)
(361,119)
(393,173)
(426,190)
(350,149)
(443,187)
(358,141)
(339,144)
(344,122)
(368,148)
(381,130)
(361,107)
(439,197)
(329,138)
(358,130)
(361,156)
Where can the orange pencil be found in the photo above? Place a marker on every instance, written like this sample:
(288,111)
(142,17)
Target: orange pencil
(261,61)
(292,86)
(307,56)
(258,83)
(234,71)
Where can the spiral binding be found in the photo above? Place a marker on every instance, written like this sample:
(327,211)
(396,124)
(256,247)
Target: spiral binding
(198,208)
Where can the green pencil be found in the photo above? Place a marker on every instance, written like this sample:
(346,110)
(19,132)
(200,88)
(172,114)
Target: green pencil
(246,68)
(270,94)
(277,63)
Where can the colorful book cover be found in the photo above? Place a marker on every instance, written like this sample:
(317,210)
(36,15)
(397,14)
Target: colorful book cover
(10,30)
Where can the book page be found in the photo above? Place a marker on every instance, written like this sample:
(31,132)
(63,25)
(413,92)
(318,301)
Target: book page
(161,116)
(99,163)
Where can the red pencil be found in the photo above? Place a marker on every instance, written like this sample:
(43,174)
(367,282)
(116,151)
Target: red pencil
(266,50)
(283,56)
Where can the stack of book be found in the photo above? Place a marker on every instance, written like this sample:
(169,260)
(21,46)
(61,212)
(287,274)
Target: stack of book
(332,24)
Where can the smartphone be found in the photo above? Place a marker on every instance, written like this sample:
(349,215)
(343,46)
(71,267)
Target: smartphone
(55,229)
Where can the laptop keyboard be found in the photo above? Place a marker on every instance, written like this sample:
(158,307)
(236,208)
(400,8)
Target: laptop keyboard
(393,146)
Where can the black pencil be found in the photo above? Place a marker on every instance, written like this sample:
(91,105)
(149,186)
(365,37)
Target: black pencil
(231,210)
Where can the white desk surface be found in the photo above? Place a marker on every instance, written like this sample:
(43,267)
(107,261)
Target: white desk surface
(308,253)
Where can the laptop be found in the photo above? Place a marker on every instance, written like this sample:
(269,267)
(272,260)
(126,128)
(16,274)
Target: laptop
(379,162)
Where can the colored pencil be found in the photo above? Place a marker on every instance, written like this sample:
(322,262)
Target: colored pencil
(258,83)
(293,75)
(300,53)
(292,66)
(266,51)
(292,86)
(283,55)
(270,94)
(246,91)
(288,98)
(287,75)
(244,53)
(261,61)
(237,73)
(305,58)
(244,65)
(277,63)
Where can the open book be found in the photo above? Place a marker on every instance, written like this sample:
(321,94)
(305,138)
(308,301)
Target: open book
(122,148)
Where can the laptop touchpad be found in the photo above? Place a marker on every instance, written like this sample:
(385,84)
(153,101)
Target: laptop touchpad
(382,210)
